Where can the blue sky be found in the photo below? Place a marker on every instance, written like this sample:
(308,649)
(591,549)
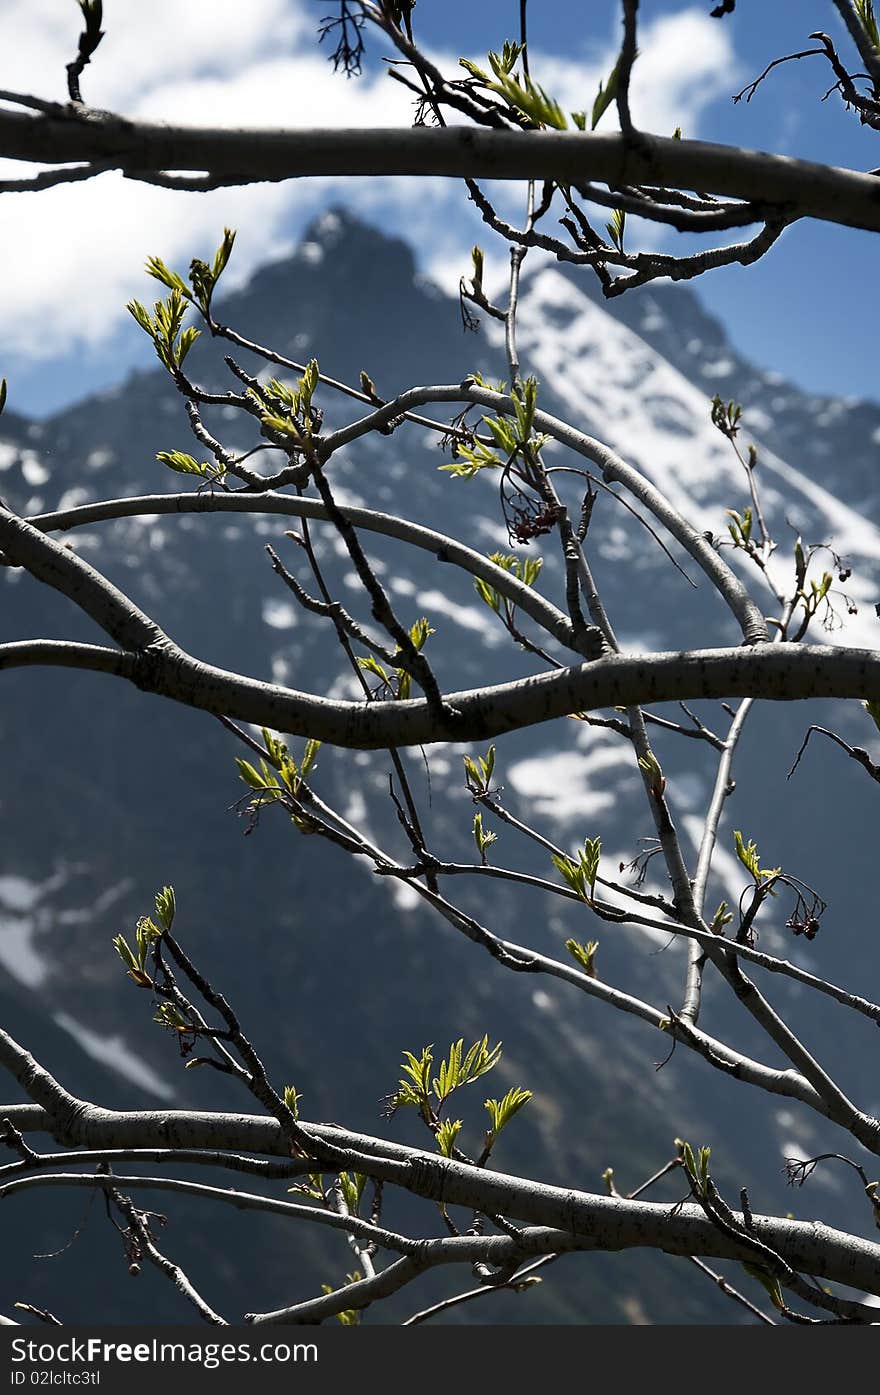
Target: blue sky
(74,256)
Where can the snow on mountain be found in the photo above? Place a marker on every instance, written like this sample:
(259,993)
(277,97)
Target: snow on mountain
(613,384)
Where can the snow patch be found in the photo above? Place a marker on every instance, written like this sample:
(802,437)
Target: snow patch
(33,470)
(564,785)
(280,615)
(72,498)
(100,459)
(403,896)
(468,617)
(113,1052)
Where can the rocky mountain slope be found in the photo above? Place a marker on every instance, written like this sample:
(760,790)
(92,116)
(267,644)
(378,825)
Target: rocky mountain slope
(107,793)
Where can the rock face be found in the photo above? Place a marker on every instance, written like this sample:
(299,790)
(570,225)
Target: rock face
(109,794)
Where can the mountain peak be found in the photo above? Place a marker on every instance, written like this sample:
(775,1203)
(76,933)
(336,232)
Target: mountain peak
(353,245)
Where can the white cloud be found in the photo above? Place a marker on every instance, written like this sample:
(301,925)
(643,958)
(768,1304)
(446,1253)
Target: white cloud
(144,45)
(79,253)
(289,90)
(682,58)
(669,92)
(78,250)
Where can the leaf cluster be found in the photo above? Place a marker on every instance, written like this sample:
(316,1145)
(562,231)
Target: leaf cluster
(135,961)
(616,228)
(478,773)
(348,1317)
(527,570)
(202,276)
(512,436)
(584,955)
(581,875)
(147,932)
(865,12)
(288,411)
(278,775)
(750,859)
(726,416)
(528,102)
(398,683)
(420,1088)
(184,464)
(740,528)
(165,327)
(483,838)
(696,1168)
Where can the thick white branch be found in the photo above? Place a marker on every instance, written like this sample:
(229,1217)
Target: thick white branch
(598,1222)
(779,672)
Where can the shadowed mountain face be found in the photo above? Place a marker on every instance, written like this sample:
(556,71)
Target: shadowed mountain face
(108,793)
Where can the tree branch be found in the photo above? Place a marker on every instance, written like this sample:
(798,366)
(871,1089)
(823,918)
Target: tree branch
(801,188)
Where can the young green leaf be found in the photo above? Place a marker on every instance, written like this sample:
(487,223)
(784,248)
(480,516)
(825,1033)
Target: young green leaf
(167,1015)
(415,1086)
(313,1189)
(419,633)
(457,1070)
(488,594)
(142,316)
(768,1281)
(865,11)
(740,527)
(605,96)
(184,464)
(585,955)
(352,1187)
(187,339)
(450,1070)
(251,777)
(617,227)
(292,1098)
(120,944)
(654,772)
(447,1133)
(166,906)
(276,750)
(697,1168)
(310,756)
(349,1317)
(502,1111)
(478,262)
(373,666)
(726,416)
(581,875)
(748,856)
(478,773)
(223,253)
(483,838)
(470,460)
(156,268)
